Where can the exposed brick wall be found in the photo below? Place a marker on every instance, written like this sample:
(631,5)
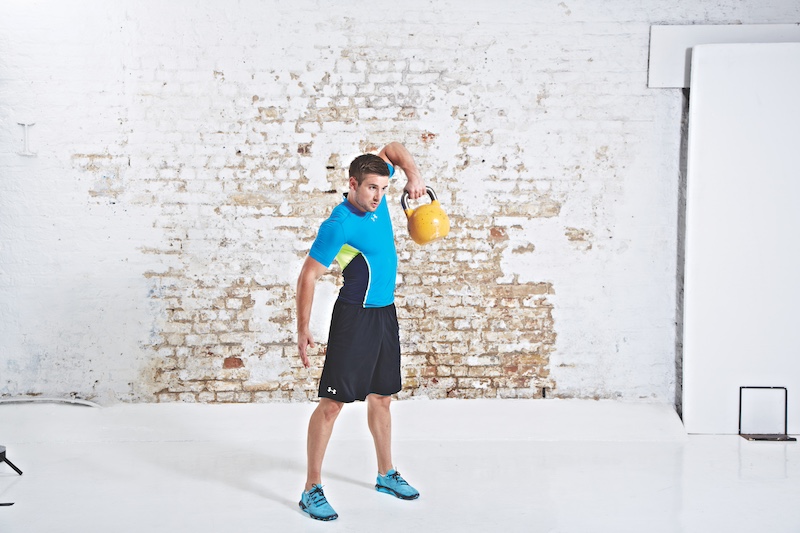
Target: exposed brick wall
(188,153)
(463,334)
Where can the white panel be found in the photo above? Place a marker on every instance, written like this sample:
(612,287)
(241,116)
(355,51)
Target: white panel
(742,286)
(671,46)
(763,411)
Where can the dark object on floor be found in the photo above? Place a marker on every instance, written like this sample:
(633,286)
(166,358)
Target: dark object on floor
(4,459)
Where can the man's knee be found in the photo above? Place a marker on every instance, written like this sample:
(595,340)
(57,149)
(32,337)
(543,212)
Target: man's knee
(330,408)
(378,401)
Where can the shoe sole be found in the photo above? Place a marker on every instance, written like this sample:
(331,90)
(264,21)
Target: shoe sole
(387,490)
(315,517)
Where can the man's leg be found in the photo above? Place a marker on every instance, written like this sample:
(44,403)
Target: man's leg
(320,428)
(380,424)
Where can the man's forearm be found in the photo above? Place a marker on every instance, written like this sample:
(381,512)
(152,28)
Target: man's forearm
(309,274)
(305,299)
(399,156)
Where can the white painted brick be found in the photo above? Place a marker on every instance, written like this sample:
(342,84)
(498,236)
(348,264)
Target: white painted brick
(425,78)
(357,78)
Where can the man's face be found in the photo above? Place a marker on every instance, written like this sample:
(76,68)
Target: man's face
(367,196)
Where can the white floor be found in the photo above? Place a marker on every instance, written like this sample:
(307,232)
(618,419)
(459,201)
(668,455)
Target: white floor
(488,465)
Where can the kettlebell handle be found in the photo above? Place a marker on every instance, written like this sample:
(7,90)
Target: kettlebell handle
(404,197)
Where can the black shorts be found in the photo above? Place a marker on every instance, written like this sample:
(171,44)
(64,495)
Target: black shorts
(363,355)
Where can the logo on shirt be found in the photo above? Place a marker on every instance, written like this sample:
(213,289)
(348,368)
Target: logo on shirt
(373,217)
(332,391)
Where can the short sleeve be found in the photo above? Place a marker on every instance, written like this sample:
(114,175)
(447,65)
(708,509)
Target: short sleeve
(329,241)
(391,169)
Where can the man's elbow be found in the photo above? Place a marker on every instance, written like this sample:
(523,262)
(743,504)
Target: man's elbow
(391,149)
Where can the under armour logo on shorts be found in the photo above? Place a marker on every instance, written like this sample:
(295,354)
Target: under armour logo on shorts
(332,391)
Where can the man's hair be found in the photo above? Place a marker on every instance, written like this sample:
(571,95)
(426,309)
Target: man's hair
(368,164)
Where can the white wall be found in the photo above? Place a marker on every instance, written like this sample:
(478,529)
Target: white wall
(544,132)
(741,270)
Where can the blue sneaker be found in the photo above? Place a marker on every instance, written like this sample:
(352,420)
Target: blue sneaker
(393,483)
(313,503)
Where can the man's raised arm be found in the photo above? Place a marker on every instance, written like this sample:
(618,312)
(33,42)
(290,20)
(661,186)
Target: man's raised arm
(397,154)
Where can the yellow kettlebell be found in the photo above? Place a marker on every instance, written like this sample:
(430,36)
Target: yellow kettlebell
(427,222)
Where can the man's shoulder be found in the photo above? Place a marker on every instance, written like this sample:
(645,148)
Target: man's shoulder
(338,214)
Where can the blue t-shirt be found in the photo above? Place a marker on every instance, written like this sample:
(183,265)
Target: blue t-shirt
(363,245)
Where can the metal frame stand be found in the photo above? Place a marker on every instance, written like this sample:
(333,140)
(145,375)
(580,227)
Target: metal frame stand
(768,436)
(4,459)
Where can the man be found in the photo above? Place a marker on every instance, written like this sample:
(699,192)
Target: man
(362,361)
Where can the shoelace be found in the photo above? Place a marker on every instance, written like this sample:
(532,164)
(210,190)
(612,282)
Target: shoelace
(316,496)
(396,476)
